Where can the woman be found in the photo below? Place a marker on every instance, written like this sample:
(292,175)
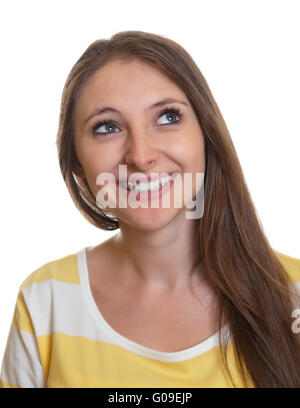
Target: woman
(171,300)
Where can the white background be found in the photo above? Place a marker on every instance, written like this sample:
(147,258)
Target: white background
(247,50)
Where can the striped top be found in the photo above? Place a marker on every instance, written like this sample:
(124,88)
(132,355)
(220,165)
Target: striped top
(59,339)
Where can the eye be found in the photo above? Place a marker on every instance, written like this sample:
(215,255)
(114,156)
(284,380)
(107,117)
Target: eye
(169,113)
(110,125)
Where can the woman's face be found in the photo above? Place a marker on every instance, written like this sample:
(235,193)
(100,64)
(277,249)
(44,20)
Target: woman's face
(139,136)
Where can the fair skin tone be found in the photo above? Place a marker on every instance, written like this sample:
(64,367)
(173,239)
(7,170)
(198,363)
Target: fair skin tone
(150,269)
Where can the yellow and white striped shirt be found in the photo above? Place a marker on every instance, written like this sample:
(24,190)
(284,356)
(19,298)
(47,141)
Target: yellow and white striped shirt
(59,339)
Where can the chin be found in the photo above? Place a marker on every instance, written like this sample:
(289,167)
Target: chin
(150,219)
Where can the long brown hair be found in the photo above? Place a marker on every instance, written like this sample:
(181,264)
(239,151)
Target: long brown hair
(247,275)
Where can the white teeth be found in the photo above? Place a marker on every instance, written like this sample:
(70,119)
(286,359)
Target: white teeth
(151,186)
(155,185)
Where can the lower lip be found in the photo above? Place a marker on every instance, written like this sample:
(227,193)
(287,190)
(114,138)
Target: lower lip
(149,195)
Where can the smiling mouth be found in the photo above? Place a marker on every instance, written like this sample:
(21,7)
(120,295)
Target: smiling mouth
(148,186)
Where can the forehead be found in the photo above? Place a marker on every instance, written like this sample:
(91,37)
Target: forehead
(129,82)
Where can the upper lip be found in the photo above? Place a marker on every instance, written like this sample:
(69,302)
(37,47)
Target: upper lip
(155,177)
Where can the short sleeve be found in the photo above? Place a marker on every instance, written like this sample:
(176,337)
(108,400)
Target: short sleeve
(21,366)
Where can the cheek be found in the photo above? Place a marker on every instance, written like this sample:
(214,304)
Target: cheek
(191,153)
(94,160)
(199,158)
(93,163)
(197,149)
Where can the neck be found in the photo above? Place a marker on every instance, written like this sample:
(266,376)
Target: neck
(162,258)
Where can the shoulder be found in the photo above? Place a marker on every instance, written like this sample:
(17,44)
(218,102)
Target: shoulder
(291,265)
(45,291)
(62,269)
(49,282)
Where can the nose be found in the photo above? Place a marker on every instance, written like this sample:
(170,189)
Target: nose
(140,152)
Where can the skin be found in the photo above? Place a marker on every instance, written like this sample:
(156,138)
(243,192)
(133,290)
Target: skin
(155,253)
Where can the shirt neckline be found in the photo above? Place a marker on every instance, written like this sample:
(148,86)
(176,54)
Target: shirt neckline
(117,338)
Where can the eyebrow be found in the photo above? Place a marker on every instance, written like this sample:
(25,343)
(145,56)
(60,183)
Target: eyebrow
(155,105)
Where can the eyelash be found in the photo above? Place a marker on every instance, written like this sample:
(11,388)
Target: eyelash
(163,112)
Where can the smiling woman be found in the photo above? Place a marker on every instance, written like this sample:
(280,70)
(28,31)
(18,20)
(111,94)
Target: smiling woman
(159,137)
(170,300)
